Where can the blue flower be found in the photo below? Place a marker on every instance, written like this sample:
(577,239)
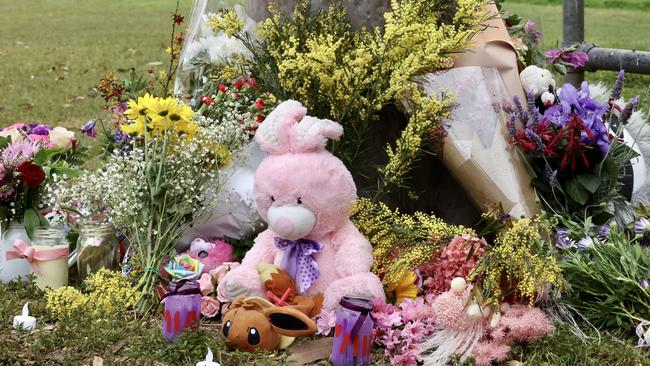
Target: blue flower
(585,243)
(89,128)
(562,238)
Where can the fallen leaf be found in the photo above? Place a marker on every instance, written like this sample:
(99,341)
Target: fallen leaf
(118,346)
(310,351)
(98,361)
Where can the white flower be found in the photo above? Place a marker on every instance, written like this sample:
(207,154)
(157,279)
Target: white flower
(15,134)
(62,138)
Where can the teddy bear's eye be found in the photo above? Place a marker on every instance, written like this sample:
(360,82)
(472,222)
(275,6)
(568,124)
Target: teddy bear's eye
(203,254)
(253,337)
(272,199)
(299,200)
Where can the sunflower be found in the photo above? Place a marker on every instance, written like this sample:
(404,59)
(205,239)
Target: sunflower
(138,111)
(134,128)
(170,114)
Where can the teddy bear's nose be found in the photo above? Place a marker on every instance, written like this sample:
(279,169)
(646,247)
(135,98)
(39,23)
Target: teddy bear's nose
(283,226)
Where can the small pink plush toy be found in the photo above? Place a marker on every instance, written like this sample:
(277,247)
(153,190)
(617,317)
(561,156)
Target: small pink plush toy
(305,194)
(211,253)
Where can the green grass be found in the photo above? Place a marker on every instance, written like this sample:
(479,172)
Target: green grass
(55,51)
(609,4)
(615,28)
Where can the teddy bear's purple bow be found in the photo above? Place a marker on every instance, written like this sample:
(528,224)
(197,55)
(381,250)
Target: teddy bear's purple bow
(298,260)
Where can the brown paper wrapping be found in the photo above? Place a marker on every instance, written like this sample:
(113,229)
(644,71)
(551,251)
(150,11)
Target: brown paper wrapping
(509,184)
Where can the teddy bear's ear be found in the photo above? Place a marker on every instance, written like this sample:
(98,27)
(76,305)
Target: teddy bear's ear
(273,134)
(312,134)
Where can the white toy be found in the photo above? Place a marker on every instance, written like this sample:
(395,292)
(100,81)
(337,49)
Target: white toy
(540,83)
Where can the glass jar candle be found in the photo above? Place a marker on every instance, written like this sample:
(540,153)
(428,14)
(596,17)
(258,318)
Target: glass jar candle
(97,247)
(352,333)
(51,272)
(11,269)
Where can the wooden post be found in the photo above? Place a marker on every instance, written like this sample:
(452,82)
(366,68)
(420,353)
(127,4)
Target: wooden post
(573,32)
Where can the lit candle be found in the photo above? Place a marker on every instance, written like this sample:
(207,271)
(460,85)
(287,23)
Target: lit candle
(208,360)
(25,321)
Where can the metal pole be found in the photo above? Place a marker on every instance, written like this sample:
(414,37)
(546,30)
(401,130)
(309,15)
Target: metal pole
(573,32)
(613,59)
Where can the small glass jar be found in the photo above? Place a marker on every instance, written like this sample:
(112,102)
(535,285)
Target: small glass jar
(53,272)
(97,247)
(12,269)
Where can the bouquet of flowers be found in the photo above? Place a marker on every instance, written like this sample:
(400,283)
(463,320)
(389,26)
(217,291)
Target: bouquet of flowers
(162,181)
(30,155)
(575,154)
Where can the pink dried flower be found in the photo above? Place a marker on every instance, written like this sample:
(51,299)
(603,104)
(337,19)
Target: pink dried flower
(449,308)
(205,283)
(524,324)
(485,353)
(450,262)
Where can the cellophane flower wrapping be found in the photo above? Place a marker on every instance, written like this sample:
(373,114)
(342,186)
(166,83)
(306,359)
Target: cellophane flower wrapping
(476,149)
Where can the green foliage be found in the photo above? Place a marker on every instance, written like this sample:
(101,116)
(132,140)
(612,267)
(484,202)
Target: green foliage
(562,348)
(116,337)
(604,282)
(351,76)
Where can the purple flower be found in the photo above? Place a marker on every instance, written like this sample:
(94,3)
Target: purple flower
(602,233)
(533,34)
(641,225)
(576,59)
(89,128)
(630,106)
(562,238)
(42,130)
(17,152)
(551,176)
(585,243)
(591,113)
(618,85)
(644,283)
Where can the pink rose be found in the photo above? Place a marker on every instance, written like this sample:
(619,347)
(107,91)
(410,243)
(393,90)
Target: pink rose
(205,282)
(43,139)
(209,306)
(221,270)
(221,294)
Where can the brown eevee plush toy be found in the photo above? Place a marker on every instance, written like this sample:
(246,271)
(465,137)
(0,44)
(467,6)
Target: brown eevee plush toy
(255,323)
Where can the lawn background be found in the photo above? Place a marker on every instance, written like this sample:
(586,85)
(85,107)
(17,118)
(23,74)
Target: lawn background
(54,52)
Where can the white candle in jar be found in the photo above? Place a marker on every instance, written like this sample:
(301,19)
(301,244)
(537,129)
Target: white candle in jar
(25,321)
(208,360)
(54,272)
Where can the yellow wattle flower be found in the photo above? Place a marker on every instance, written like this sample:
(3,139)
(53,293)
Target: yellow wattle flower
(406,288)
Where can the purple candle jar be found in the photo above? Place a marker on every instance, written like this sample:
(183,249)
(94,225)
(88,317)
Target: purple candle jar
(182,308)
(353,333)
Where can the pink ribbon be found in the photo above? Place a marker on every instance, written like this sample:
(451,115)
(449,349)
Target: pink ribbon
(23,251)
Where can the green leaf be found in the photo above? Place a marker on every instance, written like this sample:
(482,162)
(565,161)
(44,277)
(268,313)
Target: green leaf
(610,167)
(67,171)
(4,142)
(577,193)
(32,221)
(45,156)
(590,181)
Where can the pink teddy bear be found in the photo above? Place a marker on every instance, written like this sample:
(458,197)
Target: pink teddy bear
(305,193)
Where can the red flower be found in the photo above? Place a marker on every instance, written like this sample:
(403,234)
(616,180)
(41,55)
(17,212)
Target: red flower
(235,95)
(178,19)
(238,84)
(207,100)
(32,174)
(252,83)
(222,88)
(260,118)
(259,104)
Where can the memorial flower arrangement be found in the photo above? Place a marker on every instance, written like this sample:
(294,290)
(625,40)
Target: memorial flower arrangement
(163,183)
(30,155)
(576,151)
(351,76)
